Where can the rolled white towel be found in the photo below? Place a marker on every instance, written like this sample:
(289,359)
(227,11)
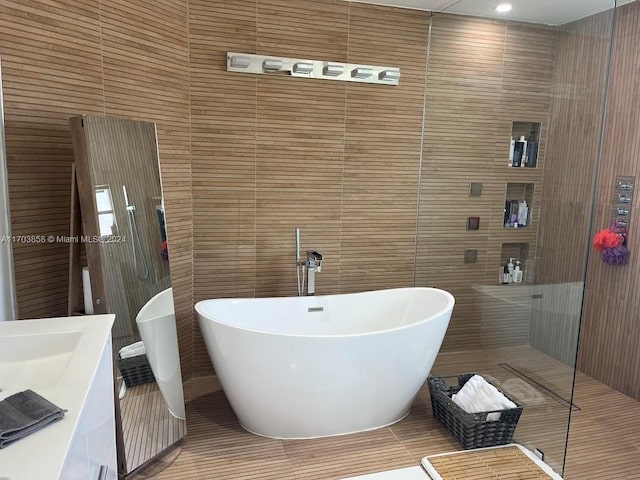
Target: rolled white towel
(481,396)
(467,393)
(132,350)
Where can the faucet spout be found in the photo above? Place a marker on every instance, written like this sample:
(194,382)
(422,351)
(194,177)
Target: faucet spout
(314,260)
(313,266)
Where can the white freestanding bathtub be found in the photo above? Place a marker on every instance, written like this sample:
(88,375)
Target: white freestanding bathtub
(304,367)
(156,322)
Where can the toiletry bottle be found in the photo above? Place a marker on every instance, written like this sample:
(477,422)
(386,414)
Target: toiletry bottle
(507,213)
(505,275)
(511,147)
(532,150)
(510,268)
(517,273)
(513,219)
(523,141)
(523,212)
(518,153)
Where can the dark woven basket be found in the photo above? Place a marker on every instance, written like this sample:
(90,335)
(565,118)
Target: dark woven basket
(472,430)
(135,370)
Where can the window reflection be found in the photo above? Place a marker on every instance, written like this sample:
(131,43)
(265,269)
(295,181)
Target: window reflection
(106,217)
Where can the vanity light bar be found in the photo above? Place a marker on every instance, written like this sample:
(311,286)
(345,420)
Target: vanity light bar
(271,65)
(302,68)
(389,75)
(332,70)
(361,72)
(318,69)
(239,61)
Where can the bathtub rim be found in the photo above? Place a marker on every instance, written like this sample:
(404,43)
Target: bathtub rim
(149,304)
(448,308)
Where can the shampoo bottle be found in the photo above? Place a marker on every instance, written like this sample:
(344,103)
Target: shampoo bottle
(517,273)
(532,150)
(518,153)
(505,275)
(511,269)
(523,213)
(511,147)
(523,142)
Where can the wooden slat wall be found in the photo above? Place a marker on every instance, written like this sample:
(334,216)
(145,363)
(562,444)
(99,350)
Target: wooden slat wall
(569,179)
(482,76)
(300,138)
(272,153)
(223,154)
(146,77)
(52,69)
(62,59)
(382,151)
(610,342)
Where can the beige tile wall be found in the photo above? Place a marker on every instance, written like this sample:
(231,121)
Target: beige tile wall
(483,75)
(272,153)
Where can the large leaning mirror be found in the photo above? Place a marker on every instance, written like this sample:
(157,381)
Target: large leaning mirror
(125,240)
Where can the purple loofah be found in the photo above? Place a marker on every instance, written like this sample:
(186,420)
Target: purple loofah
(616,255)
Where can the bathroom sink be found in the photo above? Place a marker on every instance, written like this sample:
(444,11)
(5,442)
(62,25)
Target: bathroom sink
(58,358)
(34,360)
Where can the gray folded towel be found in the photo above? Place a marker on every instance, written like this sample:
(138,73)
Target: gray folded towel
(24,413)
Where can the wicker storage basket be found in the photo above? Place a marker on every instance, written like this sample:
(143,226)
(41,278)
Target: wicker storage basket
(472,430)
(135,370)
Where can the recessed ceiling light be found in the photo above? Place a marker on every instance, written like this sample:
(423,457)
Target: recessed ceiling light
(504,7)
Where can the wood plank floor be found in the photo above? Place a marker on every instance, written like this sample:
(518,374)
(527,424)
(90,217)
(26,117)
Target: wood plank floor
(148,427)
(604,438)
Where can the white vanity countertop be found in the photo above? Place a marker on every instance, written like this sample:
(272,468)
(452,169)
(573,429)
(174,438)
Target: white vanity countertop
(56,358)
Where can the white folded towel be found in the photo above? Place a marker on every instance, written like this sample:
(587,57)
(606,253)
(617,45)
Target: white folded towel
(477,395)
(132,350)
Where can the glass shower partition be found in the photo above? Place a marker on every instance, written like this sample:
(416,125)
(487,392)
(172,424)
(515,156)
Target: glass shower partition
(511,146)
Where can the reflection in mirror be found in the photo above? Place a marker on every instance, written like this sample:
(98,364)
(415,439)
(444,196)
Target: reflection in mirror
(104,208)
(120,197)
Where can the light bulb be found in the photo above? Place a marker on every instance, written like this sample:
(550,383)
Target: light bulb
(504,7)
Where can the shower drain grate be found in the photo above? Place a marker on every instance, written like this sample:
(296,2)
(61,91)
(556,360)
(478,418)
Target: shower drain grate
(540,387)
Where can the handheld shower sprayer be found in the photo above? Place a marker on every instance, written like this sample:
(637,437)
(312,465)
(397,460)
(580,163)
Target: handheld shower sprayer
(299,265)
(139,259)
(130,208)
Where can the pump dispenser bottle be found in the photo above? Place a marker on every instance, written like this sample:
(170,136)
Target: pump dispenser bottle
(517,273)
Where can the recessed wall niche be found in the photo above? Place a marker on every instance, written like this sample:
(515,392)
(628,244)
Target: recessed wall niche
(524,145)
(518,204)
(519,252)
